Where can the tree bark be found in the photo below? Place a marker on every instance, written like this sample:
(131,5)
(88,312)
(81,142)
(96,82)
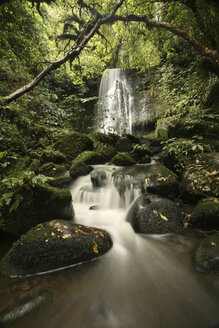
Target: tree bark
(201,48)
(71,55)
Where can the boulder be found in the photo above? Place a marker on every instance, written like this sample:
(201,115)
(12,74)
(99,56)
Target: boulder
(207,255)
(123,159)
(201,177)
(89,158)
(74,143)
(60,182)
(167,127)
(99,137)
(53,245)
(123,144)
(107,152)
(98,177)
(30,204)
(52,156)
(205,214)
(79,169)
(154,178)
(52,170)
(154,214)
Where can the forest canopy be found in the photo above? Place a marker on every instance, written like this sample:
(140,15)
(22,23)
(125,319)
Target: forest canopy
(92,35)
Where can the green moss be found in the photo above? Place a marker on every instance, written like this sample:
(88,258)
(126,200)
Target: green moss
(207,255)
(123,144)
(52,156)
(106,151)
(72,144)
(206,214)
(123,159)
(89,158)
(52,169)
(109,139)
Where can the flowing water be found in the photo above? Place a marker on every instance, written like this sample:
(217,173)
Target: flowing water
(143,281)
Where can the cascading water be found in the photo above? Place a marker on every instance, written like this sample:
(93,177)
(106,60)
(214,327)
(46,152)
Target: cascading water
(143,281)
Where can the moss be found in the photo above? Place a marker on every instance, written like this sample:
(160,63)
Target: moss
(167,127)
(72,144)
(123,144)
(60,182)
(89,158)
(106,151)
(109,139)
(123,159)
(31,205)
(52,156)
(35,165)
(52,170)
(206,214)
(79,169)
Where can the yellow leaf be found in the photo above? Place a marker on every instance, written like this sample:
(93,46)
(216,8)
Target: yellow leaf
(163,217)
(216,200)
(155,212)
(46,241)
(58,225)
(95,249)
(162,179)
(51,223)
(213,244)
(186,224)
(52,234)
(66,236)
(65,227)
(213,173)
(147,180)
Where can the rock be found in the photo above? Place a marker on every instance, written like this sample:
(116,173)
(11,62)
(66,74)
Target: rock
(89,158)
(74,143)
(167,127)
(98,178)
(107,152)
(60,182)
(109,139)
(153,214)
(205,214)
(52,170)
(52,156)
(79,169)
(123,144)
(53,245)
(141,151)
(207,255)
(123,159)
(154,178)
(201,177)
(32,204)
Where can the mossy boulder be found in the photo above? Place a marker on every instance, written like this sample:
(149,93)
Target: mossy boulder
(205,214)
(52,156)
(107,152)
(74,143)
(123,159)
(52,170)
(89,158)
(201,177)
(78,169)
(153,214)
(53,245)
(109,139)
(207,255)
(167,127)
(30,204)
(123,144)
(154,178)
(60,182)
(141,153)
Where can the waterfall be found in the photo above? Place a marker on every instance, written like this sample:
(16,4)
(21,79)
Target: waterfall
(124,103)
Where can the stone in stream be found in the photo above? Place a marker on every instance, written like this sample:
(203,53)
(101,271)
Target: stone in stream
(53,245)
(205,214)
(154,214)
(98,177)
(207,255)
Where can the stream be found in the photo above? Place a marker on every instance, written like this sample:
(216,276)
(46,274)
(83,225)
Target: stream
(143,281)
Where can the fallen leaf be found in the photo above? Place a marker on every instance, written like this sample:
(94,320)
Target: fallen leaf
(65,227)
(155,212)
(46,241)
(213,173)
(52,234)
(216,200)
(51,223)
(66,236)
(213,244)
(95,249)
(163,217)
(162,179)
(186,224)
(58,225)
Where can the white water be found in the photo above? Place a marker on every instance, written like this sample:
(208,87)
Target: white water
(142,282)
(116,101)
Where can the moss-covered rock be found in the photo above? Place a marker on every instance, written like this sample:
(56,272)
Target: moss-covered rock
(153,214)
(79,169)
(201,178)
(207,255)
(52,170)
(107,152)
(205,214)
(154,178)
(167,127)
(60,182)
(54,245)
(109,139)
(29,204)
(123,159)
(35,165)
(89,158)
(123,144)
(74,143)
(52,156)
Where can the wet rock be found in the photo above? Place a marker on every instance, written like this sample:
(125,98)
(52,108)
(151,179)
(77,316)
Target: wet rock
(205,214)
(79,169)
(94,207)
(98,178)
(201,177)
(52,170)
(123,159)
(54,245)
(153,214)
(89,158)
(154,178)
(25,306)
(32,204)
(72,144)
(207,255)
